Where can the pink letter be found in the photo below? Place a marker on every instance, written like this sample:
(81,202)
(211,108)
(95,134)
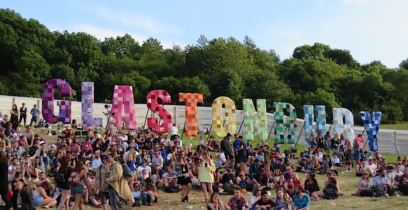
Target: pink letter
(123,97)
(154,106)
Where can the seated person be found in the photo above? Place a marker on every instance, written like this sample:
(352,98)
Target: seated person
(227,182)
(264,202)
(382,183)
(371,167)
(311,184)
(149,192)
(304,165)
(277,178)
(237,201)
(41,199)
(335,159)
(403,182)
(21,198)
(215,203)
(282,200)
(364,185)
(170,180)
(213,145)
(331,189)
(301,200)
(360,167)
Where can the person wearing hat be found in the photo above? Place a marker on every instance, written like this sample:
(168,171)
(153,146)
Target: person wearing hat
(118,186)
(102,172)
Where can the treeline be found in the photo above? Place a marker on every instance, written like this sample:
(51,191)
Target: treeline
(30,54)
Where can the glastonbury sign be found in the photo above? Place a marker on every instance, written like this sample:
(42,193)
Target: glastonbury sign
(223,114)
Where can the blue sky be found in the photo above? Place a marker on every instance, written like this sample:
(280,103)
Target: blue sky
(370,29)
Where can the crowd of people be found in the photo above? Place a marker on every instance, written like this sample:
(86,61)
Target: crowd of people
(117,169)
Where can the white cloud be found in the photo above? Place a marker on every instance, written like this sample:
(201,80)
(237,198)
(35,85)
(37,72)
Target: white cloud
(101,33)
(354,2)
(135,21)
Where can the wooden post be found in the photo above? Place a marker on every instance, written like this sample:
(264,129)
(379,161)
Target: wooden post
(239,130)
(209,132)
(397,150)
(271,129)
(144,124)
(175,114)
(300,133)
(184,128)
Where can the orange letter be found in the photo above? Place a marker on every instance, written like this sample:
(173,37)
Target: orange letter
(191,100)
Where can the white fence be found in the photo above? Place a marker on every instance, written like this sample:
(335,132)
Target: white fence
(390,141)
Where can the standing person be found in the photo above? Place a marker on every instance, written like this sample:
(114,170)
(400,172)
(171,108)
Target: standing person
(185,178)
(14,117)
(23,114)
(107,113)
(226,148)
(77,179)
(205,171)
(61,180)
(112,123)
(101,185)
(35,112)
(4,180)
(174,131)
(118,186)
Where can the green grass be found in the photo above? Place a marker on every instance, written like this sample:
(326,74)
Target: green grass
(398,126)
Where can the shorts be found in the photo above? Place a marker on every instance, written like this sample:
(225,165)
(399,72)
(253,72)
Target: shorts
(77,189)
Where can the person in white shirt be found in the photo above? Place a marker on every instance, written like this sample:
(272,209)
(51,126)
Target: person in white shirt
(144,167)
(394,173)
(174,131)
(382,181)
(335,160)
(157,161)
(371,167)
(96,161)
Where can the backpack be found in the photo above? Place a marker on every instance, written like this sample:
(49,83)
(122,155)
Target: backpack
(126,171)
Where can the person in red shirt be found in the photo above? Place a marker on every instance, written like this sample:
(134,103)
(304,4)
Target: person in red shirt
(359,140)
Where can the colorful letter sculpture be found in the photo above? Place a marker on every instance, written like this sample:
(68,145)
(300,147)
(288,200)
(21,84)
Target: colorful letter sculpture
(64,90)
(310,124)
(255,119)
(343,127)
(87,110)
(191,100)
(154,106)
(372,125)
(282,123)
(218,121)
(124,107)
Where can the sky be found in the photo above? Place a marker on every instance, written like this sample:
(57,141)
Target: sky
(369,29)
